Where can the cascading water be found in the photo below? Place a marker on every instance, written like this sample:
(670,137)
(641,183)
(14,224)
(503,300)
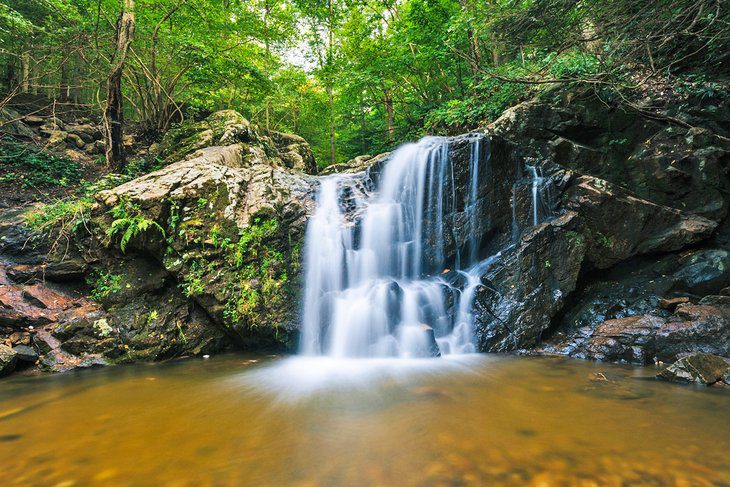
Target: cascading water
(539,203)
(373,286)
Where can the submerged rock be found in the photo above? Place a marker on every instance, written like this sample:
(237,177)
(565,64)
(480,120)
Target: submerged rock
(700,368)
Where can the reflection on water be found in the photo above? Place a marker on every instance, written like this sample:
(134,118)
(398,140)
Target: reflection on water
(474,420)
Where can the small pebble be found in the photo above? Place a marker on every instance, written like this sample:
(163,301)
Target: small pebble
(206,356)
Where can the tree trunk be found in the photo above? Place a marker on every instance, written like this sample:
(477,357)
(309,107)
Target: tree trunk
(330,83)
(25,84)
(389,115)
(77,88)
(331,98)
(114,111)
(63,88)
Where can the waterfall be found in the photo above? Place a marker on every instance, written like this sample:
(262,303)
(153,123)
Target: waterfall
(537,185)
(373,285)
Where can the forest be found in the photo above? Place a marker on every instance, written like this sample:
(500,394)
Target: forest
(351,77)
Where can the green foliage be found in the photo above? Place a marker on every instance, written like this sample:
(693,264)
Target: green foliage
(142,165)
(129,222)
(33,167)
(575,238)
(63,216)
(260,272)
(104,284)
(377,72)
(603,240)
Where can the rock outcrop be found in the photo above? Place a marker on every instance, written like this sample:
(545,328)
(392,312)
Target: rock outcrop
(630,195)
(187,260)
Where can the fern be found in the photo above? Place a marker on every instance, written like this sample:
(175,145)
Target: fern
(129,222)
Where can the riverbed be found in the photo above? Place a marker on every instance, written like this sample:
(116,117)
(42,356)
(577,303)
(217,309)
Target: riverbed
(462,420)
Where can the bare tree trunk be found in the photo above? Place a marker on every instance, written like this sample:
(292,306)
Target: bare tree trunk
(330,87)
(25,83)
(331,99)
(389,115)
(114,111)
(63,88)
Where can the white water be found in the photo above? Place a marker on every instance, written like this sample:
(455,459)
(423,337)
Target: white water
(537,185)
(373,285)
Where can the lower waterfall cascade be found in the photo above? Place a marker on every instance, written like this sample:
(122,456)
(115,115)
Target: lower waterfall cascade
(375,265)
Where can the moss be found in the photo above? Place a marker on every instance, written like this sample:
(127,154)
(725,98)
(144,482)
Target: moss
(574,237)
(603,240)
(103,284)
(257,285)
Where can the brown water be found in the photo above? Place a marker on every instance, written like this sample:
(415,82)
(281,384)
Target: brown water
(484,420)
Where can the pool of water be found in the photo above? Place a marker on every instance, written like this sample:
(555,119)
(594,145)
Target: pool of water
(473,420)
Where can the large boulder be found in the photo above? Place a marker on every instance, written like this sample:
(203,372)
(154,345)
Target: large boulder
(228,228)
(225,127)
(294,152)
(601,225)
(638,193)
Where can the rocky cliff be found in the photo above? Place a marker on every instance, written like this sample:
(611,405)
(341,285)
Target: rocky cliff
(632,263)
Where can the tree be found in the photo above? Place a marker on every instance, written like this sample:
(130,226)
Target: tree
(114,111)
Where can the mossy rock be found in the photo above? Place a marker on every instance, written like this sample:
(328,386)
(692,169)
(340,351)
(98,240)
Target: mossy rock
(224,127)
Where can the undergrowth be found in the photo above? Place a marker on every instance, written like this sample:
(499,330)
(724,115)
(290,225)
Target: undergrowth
(32,167)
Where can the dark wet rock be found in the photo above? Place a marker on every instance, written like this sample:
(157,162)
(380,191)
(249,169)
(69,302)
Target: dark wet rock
(8,359)
(25,353)
(640,291)
(672,166)
(703,272)
(618,225)
(717,301)
(644,339)
(432,348)
(600,226)
(700,368)
(528,285)
(641,192)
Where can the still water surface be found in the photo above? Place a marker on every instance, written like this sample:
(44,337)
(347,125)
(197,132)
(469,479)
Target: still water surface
(474,420)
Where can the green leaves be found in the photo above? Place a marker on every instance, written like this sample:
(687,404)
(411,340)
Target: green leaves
(129,223)
(33,167)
